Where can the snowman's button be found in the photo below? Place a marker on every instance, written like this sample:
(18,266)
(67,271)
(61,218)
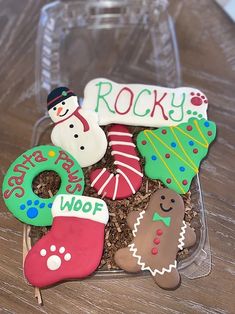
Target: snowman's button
(76,135)
(71,126)
(82,147)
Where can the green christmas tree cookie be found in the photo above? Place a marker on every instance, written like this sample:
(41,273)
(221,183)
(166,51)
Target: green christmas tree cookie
(173,154)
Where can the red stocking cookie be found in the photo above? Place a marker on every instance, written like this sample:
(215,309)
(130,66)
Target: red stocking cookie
(128,179)
(158,235)
(74,245)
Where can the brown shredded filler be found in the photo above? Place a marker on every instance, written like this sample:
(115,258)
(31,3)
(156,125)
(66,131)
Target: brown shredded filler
(117,233)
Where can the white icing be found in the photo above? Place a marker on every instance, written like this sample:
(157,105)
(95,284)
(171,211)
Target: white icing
(87,147)
(116,162)
(43,252)
(120,133)
(52,248)
(141,216)
(116,152)
(116,186)
(133,249)
(53,262)
(112,102)
(155,271)
(98,177)
(121,143)
(67,257)
(62,250)
(60,112)
(105,183)
(182,236)
(80,206)
(127,180)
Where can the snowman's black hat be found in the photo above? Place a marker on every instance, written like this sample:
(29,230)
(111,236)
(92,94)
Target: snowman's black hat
(57,95)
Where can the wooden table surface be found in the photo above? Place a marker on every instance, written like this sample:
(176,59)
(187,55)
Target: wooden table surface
(207,49)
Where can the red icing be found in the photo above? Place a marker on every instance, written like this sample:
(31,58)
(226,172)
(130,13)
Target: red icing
(159,232)
(209,133)
(77,236)
(130,103)
(185,182)
(198,99)
(195,151)
(120,181)
(167,155)
(154,251)
(164,131)
(189,128)
(168,180)
(156,240)
(143,142)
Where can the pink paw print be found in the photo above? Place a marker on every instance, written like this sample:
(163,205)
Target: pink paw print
(197,99)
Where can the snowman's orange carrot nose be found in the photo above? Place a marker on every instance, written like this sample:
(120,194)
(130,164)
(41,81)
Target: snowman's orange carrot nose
(59,111)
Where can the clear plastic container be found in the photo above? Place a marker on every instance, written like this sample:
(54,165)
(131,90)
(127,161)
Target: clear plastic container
(125,41)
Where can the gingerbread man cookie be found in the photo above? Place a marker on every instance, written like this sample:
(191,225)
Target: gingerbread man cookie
(159,233)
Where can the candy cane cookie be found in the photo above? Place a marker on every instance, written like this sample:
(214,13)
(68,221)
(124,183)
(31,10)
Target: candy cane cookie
(128,177)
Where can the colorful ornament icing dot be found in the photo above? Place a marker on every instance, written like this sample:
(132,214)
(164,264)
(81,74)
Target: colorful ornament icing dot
(192,94)
(185,182)
(200,115)
(143,142)
(195,151)
(182,169)
(189,128)
(195,113)
(209,133)
(154,251)
(168,180)
(29,202)
(207,124)
(173,144)
(154,157)
(51,153)
(159,232)
(189,111)
(22,207)
(49,205)
(164,131)
(167,155)
(191,143)
(156,240)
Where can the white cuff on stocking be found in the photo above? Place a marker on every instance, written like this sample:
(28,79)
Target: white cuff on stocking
(80,206)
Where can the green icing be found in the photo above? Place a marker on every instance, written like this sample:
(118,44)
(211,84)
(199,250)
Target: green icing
(137,98)
(102,96)
(180,106)
(173,154)
(17,184)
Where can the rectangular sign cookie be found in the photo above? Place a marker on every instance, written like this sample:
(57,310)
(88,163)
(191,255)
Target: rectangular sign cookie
(143,105)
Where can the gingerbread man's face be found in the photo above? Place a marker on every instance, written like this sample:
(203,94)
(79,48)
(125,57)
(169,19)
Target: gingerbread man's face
(167,203)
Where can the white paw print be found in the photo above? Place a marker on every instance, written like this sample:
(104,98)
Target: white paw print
(54,261)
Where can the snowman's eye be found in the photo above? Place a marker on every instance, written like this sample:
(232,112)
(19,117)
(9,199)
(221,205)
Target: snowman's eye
(63,102)
(54,108)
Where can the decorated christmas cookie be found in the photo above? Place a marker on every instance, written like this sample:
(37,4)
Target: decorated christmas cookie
(173,154)
(143,105)
(159,233)
(17,185)
(76,130)
(128,177)
(74,245)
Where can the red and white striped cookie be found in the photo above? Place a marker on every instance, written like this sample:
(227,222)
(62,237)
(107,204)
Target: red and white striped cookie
(128,177)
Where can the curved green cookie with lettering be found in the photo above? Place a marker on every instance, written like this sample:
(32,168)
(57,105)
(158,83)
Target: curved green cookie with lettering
(17,185)
(173,154)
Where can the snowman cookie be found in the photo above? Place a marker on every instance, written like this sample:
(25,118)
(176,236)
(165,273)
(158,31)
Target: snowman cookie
(76,130)
(159,233)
